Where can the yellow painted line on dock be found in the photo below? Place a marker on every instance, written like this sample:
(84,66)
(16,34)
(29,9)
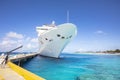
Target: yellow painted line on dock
(26,74)
(1,78)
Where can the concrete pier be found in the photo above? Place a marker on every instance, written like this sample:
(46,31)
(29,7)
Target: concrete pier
(8,74)
(13,72)
(22,57)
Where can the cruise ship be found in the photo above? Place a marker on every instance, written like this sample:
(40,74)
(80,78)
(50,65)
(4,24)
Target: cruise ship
(53,39)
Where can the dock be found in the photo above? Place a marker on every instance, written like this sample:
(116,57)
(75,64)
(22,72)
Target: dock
(8,74)
(14,72)
(22,57)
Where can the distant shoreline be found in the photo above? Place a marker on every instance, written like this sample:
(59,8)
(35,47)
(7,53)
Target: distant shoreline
(98,53)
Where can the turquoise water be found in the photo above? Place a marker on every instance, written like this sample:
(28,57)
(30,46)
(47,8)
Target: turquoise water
(76,67)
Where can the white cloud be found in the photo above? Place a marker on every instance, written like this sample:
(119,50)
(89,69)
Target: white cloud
(100,32)
(12,40)
(34,40)
(14,35)
(8,44)
(29,46)
(28,39)
(4,43)
(80,49)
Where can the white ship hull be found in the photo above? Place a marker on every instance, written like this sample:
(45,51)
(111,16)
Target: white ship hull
(53,41)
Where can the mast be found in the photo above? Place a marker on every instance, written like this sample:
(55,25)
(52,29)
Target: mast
(67,16)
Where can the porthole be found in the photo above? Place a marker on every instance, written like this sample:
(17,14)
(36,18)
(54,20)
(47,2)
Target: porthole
(62,37)
(51,40)
(58,35)
(46,38)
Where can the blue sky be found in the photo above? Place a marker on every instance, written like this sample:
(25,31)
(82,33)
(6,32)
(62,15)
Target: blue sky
(97,21)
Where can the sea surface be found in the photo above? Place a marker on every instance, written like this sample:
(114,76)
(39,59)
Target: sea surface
(76,67)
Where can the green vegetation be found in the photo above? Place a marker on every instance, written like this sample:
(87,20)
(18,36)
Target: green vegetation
(112,51)
(107,51)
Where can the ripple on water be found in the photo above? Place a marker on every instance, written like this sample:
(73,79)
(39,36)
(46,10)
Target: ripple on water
(76,67)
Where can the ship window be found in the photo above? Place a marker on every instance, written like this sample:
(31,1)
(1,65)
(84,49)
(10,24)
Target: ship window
(51,40)
(46,38)
(58,35)
(62,37)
